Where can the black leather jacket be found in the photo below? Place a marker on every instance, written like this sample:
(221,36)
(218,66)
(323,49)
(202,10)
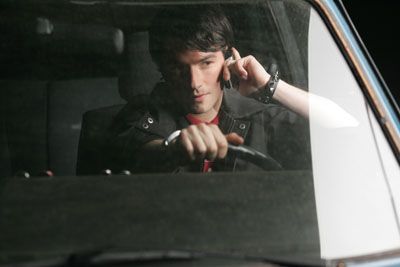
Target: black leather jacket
(268,128)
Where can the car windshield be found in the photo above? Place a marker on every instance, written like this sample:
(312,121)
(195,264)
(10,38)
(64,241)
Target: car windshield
(161,128)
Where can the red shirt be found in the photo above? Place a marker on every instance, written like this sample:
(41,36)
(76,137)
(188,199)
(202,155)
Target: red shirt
(194,120)
(207,164)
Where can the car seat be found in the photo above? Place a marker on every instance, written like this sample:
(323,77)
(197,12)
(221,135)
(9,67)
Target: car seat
(43,97)
(137,77)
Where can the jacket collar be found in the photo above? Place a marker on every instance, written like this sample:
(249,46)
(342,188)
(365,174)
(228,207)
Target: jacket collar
(235,110)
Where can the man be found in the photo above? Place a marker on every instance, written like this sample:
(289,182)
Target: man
(193,115)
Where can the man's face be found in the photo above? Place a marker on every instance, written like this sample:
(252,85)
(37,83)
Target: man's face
(195,78)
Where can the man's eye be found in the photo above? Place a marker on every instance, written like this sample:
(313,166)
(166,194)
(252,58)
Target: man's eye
(207,63)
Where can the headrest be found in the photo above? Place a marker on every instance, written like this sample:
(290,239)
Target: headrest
(139,74)
(55,50)
(91,40)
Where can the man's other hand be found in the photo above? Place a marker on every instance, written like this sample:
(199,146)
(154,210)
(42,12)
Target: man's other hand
(203,141)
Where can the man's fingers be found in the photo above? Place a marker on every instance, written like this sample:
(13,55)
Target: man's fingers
(204,141)
(226,75)
(220,140)
(235,54)
(199,147)
(209,140)
(239,68)
(234,139)
(237,64)
(187,144)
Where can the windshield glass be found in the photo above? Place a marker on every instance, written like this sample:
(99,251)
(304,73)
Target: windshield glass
(156,126)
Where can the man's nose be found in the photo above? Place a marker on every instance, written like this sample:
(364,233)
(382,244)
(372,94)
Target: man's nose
(195,78)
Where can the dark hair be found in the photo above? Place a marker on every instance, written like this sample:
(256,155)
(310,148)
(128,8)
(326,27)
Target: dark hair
(189,27)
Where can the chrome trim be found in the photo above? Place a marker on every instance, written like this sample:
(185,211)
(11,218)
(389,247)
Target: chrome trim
(365,72)
(365,258)
(372,86)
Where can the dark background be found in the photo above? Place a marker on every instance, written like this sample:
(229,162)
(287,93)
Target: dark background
(377,22)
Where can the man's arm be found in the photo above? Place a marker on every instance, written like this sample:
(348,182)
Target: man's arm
(293,98)
(253,76)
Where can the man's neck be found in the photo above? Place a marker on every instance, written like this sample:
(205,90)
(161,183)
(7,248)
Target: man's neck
(205,117)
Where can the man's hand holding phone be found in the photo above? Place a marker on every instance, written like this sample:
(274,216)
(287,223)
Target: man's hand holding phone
(251,73)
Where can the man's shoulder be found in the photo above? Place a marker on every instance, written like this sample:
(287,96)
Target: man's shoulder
(148,114)
(154,103)
(134,108)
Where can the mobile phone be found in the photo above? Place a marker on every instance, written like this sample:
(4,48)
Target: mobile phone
(228,53)
(226,84)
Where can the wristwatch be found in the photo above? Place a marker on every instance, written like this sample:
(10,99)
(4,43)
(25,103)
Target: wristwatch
(264,94)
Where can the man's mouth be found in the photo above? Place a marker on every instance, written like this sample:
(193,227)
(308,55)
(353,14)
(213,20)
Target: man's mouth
(199,97)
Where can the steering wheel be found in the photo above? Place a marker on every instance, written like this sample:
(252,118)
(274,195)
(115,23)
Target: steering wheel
(250,154)
(243,152)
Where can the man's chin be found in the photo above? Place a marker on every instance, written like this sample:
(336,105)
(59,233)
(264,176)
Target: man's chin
(198,110)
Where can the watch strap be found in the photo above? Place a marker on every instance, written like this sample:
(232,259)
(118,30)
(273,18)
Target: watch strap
(265,93)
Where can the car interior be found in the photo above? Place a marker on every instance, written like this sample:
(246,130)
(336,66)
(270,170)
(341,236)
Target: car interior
(68,67)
